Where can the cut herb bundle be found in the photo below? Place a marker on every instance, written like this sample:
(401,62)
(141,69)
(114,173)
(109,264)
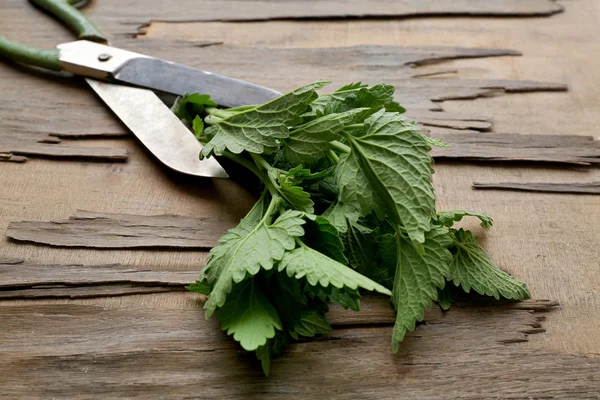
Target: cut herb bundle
(347,204)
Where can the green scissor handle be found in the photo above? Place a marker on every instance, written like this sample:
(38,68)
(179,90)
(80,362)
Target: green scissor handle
(65,11)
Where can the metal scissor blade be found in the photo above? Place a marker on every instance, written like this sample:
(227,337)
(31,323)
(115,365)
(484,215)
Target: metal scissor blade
(157,128)
(118,65)
(178,79)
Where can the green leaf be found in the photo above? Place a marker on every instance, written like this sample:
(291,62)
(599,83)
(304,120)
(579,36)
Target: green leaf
(353,96)
(448,218)
(198,127)
(244,250)
(446,297)
(417,278)
(190,105)
(435,142)
(472,268)
(338,214)
(308,143)
(347,298)
(370,254)
(260,126)
(387,252)
(322,236)
(361,243)
(392,160)
(309,324)
(320,269)
(299,174)
(249,316)
(274,347)
(201,287)
(354,187)
(295,195)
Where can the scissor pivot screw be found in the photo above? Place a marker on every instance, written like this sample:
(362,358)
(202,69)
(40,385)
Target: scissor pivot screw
(104,57)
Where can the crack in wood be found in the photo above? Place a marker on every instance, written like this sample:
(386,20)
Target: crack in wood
(19,280)
(373,64)
(560,149)
(120,350)
(104,230)
(25,275)
(14,145)
(546,187)
(312,10)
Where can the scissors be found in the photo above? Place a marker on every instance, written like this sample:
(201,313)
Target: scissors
(126,82)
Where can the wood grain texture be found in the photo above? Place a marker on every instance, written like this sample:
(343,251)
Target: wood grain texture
(109,231)
(143,346)
(120,19)
(34,144)
(540,238)
(562,149)
(83,292)
(569,187)
(23,275)
(12,158)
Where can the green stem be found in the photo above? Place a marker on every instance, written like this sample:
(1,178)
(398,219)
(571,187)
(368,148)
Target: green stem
(260,161)
(275,202)
(354,126)
(271,172)
(334,157)
(340,147)
(252,167)
(212,119)
(219,112)
(243,162)
(241,108)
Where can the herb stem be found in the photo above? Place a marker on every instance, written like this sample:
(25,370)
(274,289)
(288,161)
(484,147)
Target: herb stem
(334,157)
(212,119)
(240,108)
(355,126)
(340,147)
(219,112)
(269,181)
(260,161)
(242,161)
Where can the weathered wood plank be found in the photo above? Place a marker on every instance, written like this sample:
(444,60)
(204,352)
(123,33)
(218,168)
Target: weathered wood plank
(119,19)
(36,144)
(547,187)
(562,149)
(12,158)
(286,68)
(11,261)
(145,353)
(283,69)
(83,292)
(237,10)
(23,275)
(102,230)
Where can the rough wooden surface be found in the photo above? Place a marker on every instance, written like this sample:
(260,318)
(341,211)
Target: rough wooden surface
(34,144)
(130,18)
(107,231)
(563,149)
(146,345)
(393,64)
(83,292)
(22,275)
(544,239)
(569,187)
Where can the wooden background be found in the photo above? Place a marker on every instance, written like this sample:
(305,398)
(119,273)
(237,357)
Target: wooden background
(158,345)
